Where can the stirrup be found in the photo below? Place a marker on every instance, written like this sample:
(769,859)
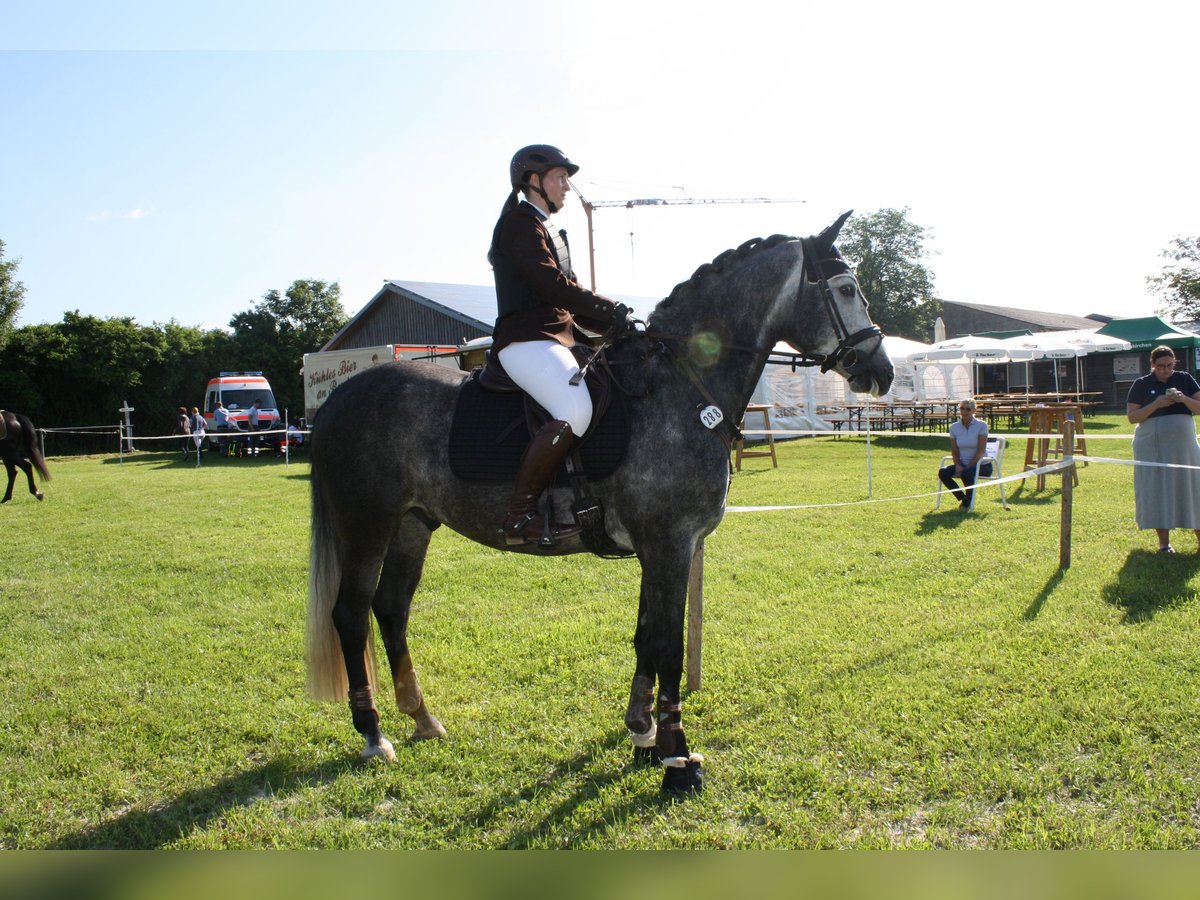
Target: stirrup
(549,533)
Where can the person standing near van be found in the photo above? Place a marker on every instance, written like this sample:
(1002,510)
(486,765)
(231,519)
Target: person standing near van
(183,426)
(197,424)
(220,417)
(252,425)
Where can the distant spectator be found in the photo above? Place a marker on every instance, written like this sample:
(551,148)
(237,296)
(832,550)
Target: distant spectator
(252,424)
(968,441)
(220,417)
(183,425)
(198,425)
(1161,405)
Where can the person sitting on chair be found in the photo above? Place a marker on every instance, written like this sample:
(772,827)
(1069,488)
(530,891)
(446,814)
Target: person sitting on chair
(968,443)
(539,301)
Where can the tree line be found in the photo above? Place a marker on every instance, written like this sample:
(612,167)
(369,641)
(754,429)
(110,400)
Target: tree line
(82,370)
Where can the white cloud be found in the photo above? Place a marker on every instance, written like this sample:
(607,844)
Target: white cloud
(131,215)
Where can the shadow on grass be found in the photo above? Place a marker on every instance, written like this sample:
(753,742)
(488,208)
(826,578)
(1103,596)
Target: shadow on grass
(499,809)
(1034,609)
(1150,581)
(177,460)
(168,821)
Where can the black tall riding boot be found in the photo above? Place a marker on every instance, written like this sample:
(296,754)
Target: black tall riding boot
(524,523)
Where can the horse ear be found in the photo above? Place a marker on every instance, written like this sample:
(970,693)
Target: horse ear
(830,234)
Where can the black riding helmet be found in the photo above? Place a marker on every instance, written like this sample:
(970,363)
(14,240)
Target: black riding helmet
(539,158)
(536,158)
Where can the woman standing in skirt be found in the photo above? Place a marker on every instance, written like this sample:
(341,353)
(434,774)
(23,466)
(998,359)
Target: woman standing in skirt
(1162,404)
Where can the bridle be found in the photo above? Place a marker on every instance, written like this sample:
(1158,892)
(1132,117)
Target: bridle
(846,354)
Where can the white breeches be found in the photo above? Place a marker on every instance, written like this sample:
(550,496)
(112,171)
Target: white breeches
(543,369)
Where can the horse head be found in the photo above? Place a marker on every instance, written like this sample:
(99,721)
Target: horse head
(849,343)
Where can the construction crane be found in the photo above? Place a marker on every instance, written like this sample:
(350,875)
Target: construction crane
(589,205)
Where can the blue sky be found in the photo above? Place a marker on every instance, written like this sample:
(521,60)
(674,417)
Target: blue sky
(176,161)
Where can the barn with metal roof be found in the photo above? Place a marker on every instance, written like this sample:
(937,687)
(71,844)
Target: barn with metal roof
(420,313)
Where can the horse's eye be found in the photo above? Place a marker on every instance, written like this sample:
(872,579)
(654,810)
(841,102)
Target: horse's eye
(846,290)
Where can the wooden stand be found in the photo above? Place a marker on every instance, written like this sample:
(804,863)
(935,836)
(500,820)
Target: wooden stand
(765,411)
(695,618)
(1050,420)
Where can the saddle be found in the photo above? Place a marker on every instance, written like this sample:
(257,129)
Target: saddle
(494,421)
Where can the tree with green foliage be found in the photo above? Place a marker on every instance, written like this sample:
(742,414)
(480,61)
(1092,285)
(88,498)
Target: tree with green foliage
(81,370)
(1178,287)
(275,334)
(888,253)
(12,296)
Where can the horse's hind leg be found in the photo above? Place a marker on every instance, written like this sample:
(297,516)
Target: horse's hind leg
(27,467)
(352,618)
(398,582)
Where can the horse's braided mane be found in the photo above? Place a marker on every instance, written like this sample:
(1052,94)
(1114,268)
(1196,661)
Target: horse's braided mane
(721,266)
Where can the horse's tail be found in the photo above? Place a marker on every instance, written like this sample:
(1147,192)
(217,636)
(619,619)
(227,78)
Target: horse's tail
(35,448)
(326,665)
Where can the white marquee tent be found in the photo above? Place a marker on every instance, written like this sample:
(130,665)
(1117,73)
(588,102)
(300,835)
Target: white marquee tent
(796,396)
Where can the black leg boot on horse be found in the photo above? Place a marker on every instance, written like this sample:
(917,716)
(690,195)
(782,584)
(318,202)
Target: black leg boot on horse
(524,523)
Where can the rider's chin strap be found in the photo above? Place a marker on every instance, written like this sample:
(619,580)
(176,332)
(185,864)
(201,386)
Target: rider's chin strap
(553,207)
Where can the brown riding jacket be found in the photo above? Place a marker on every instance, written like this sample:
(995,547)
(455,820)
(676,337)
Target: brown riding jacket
(537,293)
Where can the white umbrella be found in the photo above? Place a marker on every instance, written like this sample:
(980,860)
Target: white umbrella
(968,349)
(900,350)
(1048,345)
(1091,341)
(972,347)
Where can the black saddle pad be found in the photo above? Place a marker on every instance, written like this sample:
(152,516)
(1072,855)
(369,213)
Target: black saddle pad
(489,434)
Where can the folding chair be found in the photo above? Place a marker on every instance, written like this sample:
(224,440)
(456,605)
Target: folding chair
(989,470)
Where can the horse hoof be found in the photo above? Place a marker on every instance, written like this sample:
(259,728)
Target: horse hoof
(683,776)
(40,495)
(374,750)
(429,730)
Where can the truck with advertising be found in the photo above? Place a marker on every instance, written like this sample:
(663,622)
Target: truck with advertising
(325,370)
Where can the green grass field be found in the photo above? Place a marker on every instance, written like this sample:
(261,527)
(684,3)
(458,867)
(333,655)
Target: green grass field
(877,674)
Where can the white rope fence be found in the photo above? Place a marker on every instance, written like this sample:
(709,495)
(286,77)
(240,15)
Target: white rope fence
(695,596)
(221,437)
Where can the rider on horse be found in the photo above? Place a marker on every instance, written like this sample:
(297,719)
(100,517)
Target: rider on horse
(540,301)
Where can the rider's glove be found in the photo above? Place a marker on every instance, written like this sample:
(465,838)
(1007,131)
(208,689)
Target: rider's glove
(622,319)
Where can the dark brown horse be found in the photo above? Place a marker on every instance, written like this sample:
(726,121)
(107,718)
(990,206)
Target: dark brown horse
(19,446)
(382,478)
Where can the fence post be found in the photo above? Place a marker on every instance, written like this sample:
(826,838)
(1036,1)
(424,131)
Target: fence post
(695,627)
(1068,482)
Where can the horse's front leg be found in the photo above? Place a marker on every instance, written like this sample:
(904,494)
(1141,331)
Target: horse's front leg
(639,715)
(12,477)
(659,645)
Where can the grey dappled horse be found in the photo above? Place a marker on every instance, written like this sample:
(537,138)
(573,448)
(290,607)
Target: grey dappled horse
(381,480)
(18,449)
